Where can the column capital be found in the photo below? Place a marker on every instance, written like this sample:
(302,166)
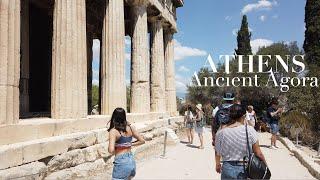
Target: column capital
(156,19)
(169,31)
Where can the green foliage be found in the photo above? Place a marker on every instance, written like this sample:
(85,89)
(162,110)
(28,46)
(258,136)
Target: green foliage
(295,119)
(312,33)
(243,38)
(204,94)
(95,95)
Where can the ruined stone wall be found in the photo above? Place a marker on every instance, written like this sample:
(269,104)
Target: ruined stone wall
(76,155)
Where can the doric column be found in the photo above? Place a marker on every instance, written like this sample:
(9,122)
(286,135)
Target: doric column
(24,79)
(9,61)
(157,67)
(69,60)
(171,102)
(113,83)
(140,63)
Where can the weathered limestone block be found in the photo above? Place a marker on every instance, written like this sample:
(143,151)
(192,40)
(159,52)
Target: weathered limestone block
(80,171)
(148,136)
(66,160)
(103,150)
(113,58)
(77,157)
(32,171)
(102,135)
(35,150)
(140,63)
(10,155)
(82,140)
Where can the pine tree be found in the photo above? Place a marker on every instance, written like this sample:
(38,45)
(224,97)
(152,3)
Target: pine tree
(312,34)
(243,38)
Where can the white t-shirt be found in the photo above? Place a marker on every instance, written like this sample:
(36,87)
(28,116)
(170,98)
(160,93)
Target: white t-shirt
(250,118)
(190,115)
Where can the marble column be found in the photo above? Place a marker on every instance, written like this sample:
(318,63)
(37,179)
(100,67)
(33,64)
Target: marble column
(24,79)
(9,61)
(140,63)
(69,60)
(113,90)
(170,86)
(157,67)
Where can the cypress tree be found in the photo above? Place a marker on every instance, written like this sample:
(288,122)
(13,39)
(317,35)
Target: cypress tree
(243,38)
(312,34)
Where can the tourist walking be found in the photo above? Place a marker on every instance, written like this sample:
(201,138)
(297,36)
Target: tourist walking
(220,114)
(200,123)
(274,113)
(231,145)
(189,124)
(121,134)
(251,116)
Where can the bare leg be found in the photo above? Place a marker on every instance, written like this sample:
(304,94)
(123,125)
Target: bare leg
(201,140)
(192,134)
(189,135)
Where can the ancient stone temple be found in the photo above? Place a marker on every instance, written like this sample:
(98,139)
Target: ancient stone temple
(46,76)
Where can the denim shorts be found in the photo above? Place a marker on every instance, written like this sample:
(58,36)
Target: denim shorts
(124,167)
(274,128)
(232,170)
(189,125)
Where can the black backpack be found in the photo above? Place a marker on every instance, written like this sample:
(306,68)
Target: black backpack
(222,116)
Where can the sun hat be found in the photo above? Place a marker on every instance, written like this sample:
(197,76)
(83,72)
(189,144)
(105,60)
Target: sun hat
(199,106)
(228,96)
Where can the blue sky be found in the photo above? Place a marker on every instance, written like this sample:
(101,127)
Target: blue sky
(209,27)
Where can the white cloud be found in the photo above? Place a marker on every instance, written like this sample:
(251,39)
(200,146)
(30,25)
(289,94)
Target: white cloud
(181,83)
(263,18)
(262,4)
(127,41)
(235,32)
(228,18)
(257,43)
(95,82)
(96,50)
(128,56)
(181,52)
(95,74)
(183,69)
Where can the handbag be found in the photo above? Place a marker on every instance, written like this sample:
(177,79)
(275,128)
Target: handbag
(255,168)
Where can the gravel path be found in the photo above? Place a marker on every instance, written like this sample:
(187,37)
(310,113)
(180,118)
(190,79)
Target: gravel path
(189,162)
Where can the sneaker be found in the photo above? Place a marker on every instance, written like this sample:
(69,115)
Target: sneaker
(276,147)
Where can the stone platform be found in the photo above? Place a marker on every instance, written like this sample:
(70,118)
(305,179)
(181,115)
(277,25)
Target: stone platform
(75,150)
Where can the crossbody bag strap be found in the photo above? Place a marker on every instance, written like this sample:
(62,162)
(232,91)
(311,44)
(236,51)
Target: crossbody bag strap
(248,146)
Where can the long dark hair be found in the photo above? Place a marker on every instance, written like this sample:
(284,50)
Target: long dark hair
(237,111)
(118,120)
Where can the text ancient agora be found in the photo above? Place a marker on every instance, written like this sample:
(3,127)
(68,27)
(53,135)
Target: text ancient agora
(276,70)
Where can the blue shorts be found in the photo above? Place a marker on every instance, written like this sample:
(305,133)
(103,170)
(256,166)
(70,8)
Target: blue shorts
(124,167)
(189,125)
(274,128)
(232,170)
